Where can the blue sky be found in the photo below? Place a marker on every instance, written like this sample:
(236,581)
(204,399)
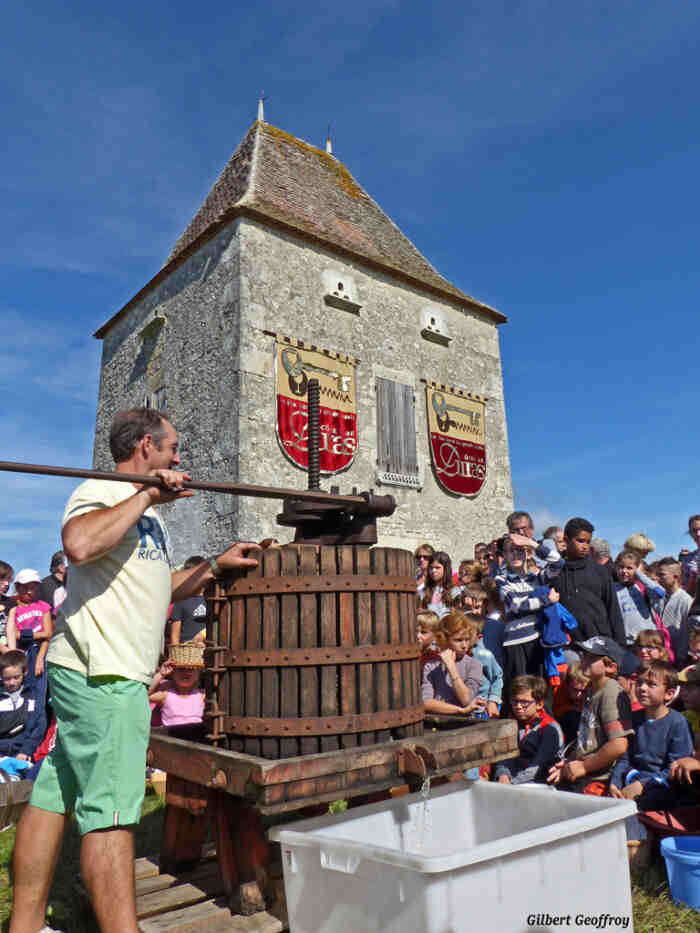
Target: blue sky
(542,155)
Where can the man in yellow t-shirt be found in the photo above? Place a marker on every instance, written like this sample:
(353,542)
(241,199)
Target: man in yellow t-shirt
(105,650)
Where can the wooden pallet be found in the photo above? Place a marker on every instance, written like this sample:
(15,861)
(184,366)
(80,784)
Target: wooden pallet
(192,902)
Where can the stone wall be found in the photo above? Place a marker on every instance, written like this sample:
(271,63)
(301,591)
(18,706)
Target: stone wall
(217,364)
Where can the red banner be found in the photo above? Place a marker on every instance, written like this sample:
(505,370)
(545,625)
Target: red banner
(338,412)
(457,434)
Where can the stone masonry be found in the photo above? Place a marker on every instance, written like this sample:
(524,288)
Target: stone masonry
(200,333)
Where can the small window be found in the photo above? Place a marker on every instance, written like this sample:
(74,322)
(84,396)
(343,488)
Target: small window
(155,400)
(396,429)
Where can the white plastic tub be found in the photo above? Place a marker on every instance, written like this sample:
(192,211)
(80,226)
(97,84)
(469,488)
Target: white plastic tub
(477,857)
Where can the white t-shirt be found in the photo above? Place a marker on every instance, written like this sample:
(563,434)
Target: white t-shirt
(113,618)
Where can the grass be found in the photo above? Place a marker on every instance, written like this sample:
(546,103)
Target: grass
(654,911)
(66,913)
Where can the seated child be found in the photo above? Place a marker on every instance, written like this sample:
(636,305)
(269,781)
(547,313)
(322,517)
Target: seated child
(689,680)
(540,740)
(175,689)
(661,736)
(427,624)
(606,721)
(627,678)
(22,726)
(693,643)
(450,683)
(649,646)
(491,688)
(634,605)
(567,701)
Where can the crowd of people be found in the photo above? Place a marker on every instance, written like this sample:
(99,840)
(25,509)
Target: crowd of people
(597,659)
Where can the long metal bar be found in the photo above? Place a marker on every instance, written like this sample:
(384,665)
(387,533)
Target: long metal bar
(235,489)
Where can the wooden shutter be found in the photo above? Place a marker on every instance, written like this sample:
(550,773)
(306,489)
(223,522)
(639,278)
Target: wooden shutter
(396,430)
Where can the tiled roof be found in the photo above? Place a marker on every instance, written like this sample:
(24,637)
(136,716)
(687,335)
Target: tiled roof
(276,177)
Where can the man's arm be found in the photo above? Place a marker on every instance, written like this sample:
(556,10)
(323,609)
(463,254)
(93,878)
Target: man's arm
(98,531)
(189,582)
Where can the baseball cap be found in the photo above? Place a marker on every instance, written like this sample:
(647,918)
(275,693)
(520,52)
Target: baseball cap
(27,576)
(603,647)
(690,675)
(630,664)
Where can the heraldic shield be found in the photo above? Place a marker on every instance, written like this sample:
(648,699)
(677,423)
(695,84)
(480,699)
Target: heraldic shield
(295,364)
(457,439)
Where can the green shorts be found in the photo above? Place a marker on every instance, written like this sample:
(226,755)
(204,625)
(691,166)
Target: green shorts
(97,768)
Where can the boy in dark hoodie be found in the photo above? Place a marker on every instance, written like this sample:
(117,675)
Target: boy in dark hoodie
(586,589)
(21,725)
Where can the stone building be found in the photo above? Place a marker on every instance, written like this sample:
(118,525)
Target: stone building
(289,270)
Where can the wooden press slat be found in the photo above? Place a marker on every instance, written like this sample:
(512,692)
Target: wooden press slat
(381,637)
(397,691)
(271,635)
(410,670)
(236,640)
(329,638)
(348,681)
(253,640)
(225,679)
(308,638)
(368,703)
(289,629)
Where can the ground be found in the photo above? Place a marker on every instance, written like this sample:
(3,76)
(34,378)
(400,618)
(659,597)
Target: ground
(654,912)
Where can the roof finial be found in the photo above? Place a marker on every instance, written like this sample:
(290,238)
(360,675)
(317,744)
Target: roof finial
(261,108)
(329,144)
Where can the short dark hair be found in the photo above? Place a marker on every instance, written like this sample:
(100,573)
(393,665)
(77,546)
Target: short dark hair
(5,570)
(668,562)
(664,669)
(129,426)
(514,516)
(58,558)
(574,525)
(551,531)
(14,658)
(193,561)
(527,683)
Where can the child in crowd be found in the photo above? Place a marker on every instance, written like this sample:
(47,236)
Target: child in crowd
(675,608)
(438,594)
(491,688)
(22,724)
(606,722)
(423,555)
(649,646)
(6,602)
(540,739)
(427,624)
(661,736)
(450,683)
(634,606)
(567,701)
(693,642)
(188,619)
(627,678)
(176,690)
(689,567)
(29,627)
(586,589)
(689,680)
(522,651)
(493,620)
(470,571)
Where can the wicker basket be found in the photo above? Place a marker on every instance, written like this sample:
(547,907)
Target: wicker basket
(189,654)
